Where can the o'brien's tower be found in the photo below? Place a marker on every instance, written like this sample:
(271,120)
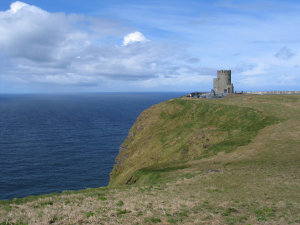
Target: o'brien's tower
(222,84)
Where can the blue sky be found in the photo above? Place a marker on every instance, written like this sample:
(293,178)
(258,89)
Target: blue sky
(166,45)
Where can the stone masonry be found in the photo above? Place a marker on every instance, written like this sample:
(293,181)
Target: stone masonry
(222,84)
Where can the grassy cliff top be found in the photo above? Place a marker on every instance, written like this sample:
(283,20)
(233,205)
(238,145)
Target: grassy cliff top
(181,130)
(191,161)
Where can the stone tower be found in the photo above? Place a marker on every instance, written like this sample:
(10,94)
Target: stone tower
(222,84)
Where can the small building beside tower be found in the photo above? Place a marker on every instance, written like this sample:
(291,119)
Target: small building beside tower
(222,84)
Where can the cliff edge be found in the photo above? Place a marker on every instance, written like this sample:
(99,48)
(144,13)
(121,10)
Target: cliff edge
(174,132)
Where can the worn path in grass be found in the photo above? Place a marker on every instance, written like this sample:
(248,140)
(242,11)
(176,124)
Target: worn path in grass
(254,181)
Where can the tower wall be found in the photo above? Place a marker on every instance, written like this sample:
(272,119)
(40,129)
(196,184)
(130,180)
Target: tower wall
(222,84)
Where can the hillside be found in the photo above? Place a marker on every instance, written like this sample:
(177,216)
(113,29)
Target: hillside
(191,161)
(181,130)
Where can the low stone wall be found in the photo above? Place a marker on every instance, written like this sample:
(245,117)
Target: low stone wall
(271,92)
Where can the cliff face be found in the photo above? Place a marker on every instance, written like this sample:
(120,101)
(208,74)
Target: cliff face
(179,130)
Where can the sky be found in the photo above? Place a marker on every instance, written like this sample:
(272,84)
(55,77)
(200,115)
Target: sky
(54,46)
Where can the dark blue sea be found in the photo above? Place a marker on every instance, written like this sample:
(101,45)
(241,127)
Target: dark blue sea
(51,143)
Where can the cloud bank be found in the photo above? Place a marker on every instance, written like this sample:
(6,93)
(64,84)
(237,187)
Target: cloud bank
(43,47)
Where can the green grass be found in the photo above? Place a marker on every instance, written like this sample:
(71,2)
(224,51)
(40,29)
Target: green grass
(229,211)
(152,220)
(46,203)
(121,212)
(102,198)
(120,203)
(264,214)
(181,130)
(89,214)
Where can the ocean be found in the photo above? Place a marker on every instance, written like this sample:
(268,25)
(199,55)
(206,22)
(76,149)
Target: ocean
(55,142)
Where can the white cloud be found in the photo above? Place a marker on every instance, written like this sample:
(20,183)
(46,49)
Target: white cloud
(31,33)
(43,47)
(16,6)
(134,37)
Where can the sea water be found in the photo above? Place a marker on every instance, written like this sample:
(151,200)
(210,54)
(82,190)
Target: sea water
(51,143)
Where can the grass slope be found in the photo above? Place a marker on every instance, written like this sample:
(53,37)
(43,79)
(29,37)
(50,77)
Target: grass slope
(180,130)
(246,173)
